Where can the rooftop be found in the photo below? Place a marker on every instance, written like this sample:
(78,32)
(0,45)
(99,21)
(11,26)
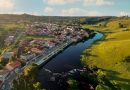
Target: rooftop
(14,64)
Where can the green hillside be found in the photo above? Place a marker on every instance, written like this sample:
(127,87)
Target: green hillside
(112,53)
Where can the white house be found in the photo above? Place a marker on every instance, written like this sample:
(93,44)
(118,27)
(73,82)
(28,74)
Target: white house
(27,57)
(8,55)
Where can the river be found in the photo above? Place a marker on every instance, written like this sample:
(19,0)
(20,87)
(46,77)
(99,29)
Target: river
(70,57)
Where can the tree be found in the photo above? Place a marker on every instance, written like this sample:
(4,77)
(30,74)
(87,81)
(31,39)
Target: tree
(13,58)
(27,80)
(37,86)
(3,62)
(121,25)
(31,70)
(73,84)
(100,76)
(102,87)
(89,77)
(127,59)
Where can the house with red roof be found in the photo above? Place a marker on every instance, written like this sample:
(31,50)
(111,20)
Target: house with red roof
(36,50)
(13,66)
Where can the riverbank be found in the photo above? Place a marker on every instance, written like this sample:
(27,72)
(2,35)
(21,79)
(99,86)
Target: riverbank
(64,62)
(72,53)
(111,54)
(73,79)
(59,49)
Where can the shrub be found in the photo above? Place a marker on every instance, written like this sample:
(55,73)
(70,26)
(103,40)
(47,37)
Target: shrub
(127,59)
(73,84)
(102,87)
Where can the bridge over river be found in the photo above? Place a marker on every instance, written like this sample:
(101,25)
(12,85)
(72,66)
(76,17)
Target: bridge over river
(39,60)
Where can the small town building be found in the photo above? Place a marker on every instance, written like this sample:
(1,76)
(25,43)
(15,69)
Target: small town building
(9,40)
(36,50)
(8,55)
(27,57)
(13,66)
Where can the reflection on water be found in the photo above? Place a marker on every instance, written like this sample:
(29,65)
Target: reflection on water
(70,58)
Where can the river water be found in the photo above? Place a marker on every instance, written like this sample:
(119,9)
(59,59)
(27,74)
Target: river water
(70,58)
(65,61)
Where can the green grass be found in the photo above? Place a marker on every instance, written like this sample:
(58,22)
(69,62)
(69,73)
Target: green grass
(109,54)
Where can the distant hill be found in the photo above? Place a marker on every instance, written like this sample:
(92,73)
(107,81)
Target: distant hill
(7,18)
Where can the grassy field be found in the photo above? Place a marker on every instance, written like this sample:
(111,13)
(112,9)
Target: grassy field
(109,54)
(12,26)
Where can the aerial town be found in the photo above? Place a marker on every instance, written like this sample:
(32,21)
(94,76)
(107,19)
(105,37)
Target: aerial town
(64,44)
(30,46)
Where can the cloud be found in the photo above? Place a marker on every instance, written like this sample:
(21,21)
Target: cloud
(95,13)
(71,11)
(6,4)
(124,13)
(59,2)
(98,2)
(80,12)
(48,10)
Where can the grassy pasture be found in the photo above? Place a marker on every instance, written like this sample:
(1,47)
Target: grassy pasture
(110,53)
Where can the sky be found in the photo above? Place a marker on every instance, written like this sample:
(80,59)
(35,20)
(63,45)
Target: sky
(66,7)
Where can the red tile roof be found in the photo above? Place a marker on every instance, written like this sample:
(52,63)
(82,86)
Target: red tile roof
(13,65)
(36,50)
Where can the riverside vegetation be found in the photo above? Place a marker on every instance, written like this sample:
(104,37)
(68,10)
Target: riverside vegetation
(111,55)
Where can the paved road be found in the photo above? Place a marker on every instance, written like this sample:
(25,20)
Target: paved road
(51,53)
(9,79)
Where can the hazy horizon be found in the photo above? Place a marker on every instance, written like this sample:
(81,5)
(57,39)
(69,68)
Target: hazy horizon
(66,7)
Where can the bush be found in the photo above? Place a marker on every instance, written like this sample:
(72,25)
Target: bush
(91,78)
(102,87)
(73,84)
(100,76)
(127,59)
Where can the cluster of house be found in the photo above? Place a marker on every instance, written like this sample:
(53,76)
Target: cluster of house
(9,40)
(11,36)
(10,68)
(60,32)
(40,29)
(29,49)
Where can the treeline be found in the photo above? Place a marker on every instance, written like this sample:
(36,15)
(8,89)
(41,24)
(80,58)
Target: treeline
(94,20)
(6,18)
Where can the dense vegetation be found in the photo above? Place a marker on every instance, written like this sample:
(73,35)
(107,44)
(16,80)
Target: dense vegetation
(28,79)
(112,53)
